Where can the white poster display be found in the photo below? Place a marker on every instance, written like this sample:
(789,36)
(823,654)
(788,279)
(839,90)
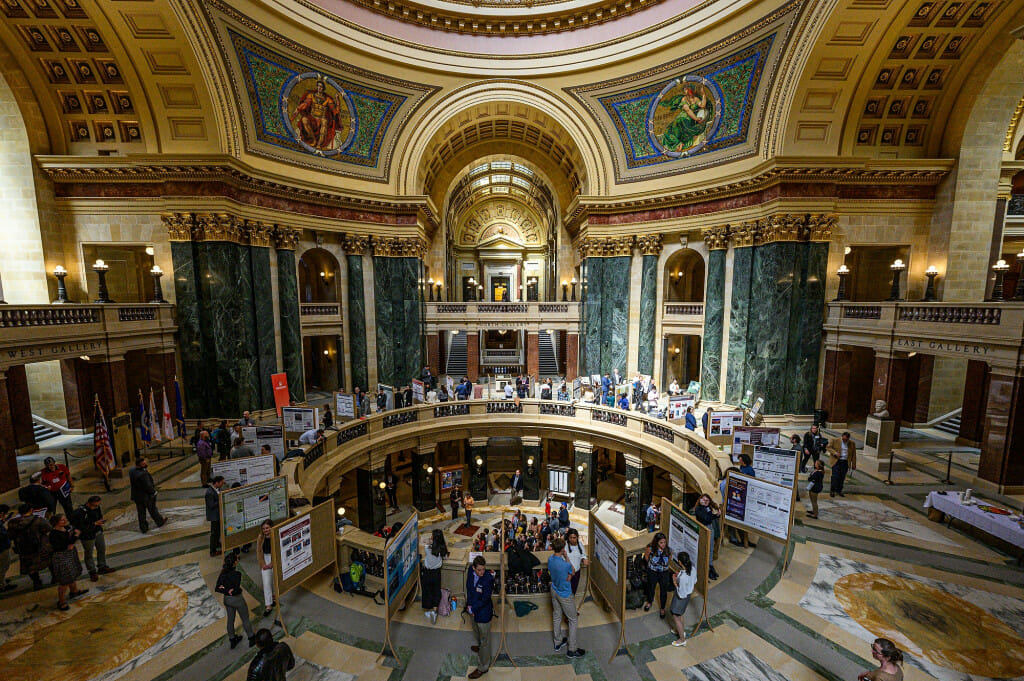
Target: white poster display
(248,506)
(606,552)
(724,423)
(758,505)
(683,535)
(677,405)
(752,437)
(344,406)
(299,419)
(258,436)
(245,471)
(756,409)
(775,464)
(296,549)
(418,391)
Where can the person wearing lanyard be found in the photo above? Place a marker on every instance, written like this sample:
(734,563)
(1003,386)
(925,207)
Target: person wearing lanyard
(479,588)
(684,580)
(658,573)
(264,554)
(843,457)
(576,554)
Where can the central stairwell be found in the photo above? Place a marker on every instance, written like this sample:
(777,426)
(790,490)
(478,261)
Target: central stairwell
(456,364)
(547,358)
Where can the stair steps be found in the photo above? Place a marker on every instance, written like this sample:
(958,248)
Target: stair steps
(950,426)
(547,359)
(43,433)
(456,364)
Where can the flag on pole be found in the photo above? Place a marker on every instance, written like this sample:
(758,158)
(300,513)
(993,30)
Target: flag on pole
(155,419)
(168,428)
(179,409)
(103,455)
(144,422)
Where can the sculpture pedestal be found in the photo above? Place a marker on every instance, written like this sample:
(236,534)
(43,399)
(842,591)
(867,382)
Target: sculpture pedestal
(878,441)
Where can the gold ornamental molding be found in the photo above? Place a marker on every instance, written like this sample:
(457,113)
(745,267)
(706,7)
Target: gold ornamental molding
(820,227)
(1011,132)
(745,233)
(227,227)
(260,233)
(716,238)
(286,238)
(649,244)
(221,227)
(606,247)
(180,226)
(355,245)
(399,247)
(781,228)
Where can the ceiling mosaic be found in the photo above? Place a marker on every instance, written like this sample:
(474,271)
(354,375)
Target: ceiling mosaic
(698,111)
(304,108)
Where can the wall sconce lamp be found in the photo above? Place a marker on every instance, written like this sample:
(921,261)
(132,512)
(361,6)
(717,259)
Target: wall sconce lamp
(430,289)
(1018,294)
(341,511)
(677,350)
(843,272)
(323,277)
(438,285)
(573,283)
(428,469)
(378,492)
(158,291)
(1000,268)
(565,291)
(479,465)
(897,269)
(62,291)
(100,268)
(676,277)
(530,470)
(581,471)
(631,486)
(929,291)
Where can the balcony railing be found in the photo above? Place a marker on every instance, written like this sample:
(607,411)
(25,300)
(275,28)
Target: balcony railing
(683,317)
(319,314)
(508,315)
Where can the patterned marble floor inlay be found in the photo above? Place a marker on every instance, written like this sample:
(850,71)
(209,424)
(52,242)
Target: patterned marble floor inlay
(874,515)
(735,665)
(125,527)
(310,671)
(951,631)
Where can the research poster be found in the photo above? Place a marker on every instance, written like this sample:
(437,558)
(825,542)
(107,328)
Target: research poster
(756,409)
(258,436)
(683,535)
(724,423)
(250,505)
(299,419)
(245,471)
(752,437)
(758,505)
(344,406)
(418,391)
(606,552)
(296,546)
(776,465)
(402,557)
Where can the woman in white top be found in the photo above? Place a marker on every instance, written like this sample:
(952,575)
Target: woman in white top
(576,554)
(685,579)
(434,552)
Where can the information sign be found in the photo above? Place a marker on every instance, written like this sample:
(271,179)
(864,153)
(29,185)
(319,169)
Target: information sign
(344,405)
(724,423)
(299,419)
(418,391)
(402,557)
(245,508)
(606,552)
(683,535)
(758,505)
(296,547)
(245,471)
(745,438)
(777,465)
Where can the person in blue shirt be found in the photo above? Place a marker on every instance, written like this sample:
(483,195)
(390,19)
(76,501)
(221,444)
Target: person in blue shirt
(651,517)
(563,517)
(479,589)
(691,420)
(746,466)
(704,422)
(606,386)
(624,402)
(562,603)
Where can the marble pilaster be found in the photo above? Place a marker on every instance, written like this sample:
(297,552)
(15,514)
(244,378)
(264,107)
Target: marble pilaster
(592,316)
(739,317)
(372,504)
(263,307)
(805,330)
(585,482)
(424,495)
(397,310)
(714,314)
(291,331)
(194,365)
(775,275)
(8,457)
(1002,439)
(643,482)
(478,486)
(648,314)
(531,472)
(357,321)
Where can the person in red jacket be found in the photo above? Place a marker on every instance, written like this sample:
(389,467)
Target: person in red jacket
(57,478)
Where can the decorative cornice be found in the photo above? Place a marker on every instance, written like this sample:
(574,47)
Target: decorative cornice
(716,238)
(399,247)
(605,247)
(649,244)
(1011,132)
(355,245)
(179,226)
(286,238)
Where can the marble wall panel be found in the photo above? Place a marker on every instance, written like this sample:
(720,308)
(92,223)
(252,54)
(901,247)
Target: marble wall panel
(806,331)
(190,340)
(592,315)
(397,322)
(384,321)
(775,272)
(648,312)
(714,315)
(739,311)
(263,310)
(357,321)
(291,332)
(615,315)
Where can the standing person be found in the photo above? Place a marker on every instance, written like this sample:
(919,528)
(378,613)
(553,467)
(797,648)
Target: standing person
(659,575)
(239,449)
(562,602)
(265,554)
(5,548)
(222,440)
(467,503)
(229,583)
(64,564)
(651,517)
(37,496)
(563,517)
(435,550)
(509,390)
(453,498)
(144,495)
(213,512)
(652,398)
(273,660)
(747,466)
(842,455)
(814,485)
(56,477)
(814,445)
(577,556)
(685,579)
(327,420)
(391,481)
(88,520)
(796,444)
(30,536)
(517,486)
(709,515)
(204,452)
(382,400)
(479,588)
(246,420)
(889,659)
(691,420)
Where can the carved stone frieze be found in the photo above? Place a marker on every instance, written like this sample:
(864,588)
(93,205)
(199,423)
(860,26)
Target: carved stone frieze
(179,226)
(355,245)
(286,238)
(606,247)
(649,244)
(744,234)
(716,238)
(399,247)
(820,227)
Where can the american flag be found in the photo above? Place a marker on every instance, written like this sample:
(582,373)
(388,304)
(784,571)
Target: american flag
(103,455)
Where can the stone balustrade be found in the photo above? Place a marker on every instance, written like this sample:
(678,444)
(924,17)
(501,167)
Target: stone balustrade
(320,315)
(532,316)
(683,318)
(679,451)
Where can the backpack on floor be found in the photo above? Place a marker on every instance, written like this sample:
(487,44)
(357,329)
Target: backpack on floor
(634,598)
(356,572)
(444,607)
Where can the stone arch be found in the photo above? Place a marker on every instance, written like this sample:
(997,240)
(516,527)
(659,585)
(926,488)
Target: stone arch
(684,276)
(318,276)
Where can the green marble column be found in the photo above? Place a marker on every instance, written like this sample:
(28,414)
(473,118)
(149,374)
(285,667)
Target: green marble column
(194,362)
(263,308)
(291,331)
(591,341)
(357,322)
(640,497)
(714,316)
(585,482)
(607,312)
(740,343)
(648,313)
(776,275)
(805,330)
(397,319)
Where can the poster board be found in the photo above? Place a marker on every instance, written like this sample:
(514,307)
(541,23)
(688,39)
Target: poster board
(243,509)
(721,425)
(686,533)
(677,405)
(272,435)
(299,419)
(451,476)
(123,440)
(315,525)
(755,410)
(760,507)
(607,573)
(344,406)
(245,471)
(745,438)
(777,465)
(693,388)
(418,391)
(401,564)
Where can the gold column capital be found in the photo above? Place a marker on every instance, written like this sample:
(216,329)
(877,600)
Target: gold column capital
(649,244)
(716,238)
(399,247)
(744,234)
(261,234)
(820,227)
(355,245)
(286,238)
(179,226)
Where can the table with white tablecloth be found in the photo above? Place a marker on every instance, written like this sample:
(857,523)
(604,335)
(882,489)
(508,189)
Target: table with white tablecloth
(1005,527)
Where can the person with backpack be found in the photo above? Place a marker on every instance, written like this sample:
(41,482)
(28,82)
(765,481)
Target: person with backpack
(88,520)
(229,584)
(435,550)
(651,517)
(222,440)
(30,535)
(563,517)
(659,575)
(273,661)
(562,602)
(36,495)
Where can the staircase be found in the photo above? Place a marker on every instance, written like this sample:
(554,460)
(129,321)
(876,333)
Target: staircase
(547,360)
(43,433)
(950,426)
(456,364)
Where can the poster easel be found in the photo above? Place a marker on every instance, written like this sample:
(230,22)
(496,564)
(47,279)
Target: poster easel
(721,424)
(502,572)
(675,521)
(401,554)
(774,524)
(322,546)
(607,577)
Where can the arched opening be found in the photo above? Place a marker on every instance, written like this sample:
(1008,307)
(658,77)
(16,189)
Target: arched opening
(684,277)
(318,277)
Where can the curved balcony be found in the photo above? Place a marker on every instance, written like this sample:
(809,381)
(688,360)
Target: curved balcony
(533,316)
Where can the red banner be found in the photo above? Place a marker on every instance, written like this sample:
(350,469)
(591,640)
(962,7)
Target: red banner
(280,384)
